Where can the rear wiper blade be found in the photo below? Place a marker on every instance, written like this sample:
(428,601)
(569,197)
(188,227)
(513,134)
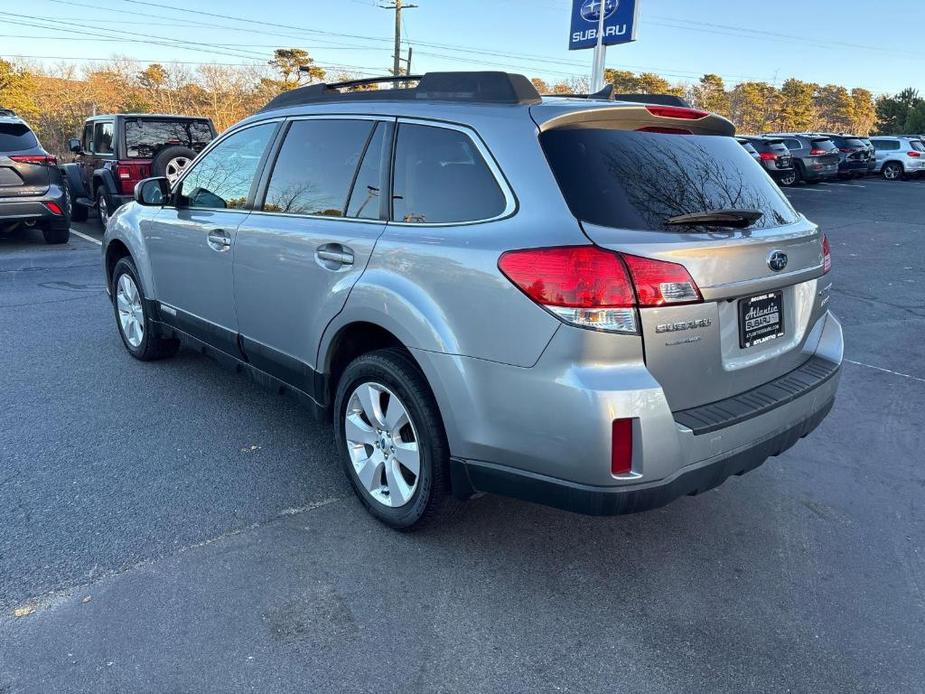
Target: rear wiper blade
(717,218)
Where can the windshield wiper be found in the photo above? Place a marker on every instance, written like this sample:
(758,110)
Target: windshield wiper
(717,218)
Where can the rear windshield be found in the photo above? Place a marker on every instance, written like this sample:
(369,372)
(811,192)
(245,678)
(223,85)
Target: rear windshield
(825,144)
(638,180)
(16,136)
(851,142)
(144,138)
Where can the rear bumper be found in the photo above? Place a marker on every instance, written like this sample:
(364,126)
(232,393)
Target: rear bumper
(610,501)
(34,209)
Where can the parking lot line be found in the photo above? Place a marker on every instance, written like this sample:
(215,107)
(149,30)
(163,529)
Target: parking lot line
(86,237)
(847,185)
(808,190)
(889,371)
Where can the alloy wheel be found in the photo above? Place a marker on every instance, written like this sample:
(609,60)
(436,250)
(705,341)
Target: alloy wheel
(131,311)
(103,208)
(175,167)
(383,444)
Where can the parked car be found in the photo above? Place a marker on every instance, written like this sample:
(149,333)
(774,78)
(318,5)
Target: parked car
(775,158)
(116,151)
(853,155)
(747,146)
(871,154)
(899,156)
(480,308)
(815,157)
(32,193)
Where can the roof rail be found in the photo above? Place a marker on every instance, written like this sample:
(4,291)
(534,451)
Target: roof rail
(472,87)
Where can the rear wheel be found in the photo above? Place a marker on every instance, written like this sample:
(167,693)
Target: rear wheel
(892,171)
(391,440)
(103,205)
(139,334)
(55,235)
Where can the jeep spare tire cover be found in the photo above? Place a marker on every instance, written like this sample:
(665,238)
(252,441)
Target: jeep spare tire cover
(171,161)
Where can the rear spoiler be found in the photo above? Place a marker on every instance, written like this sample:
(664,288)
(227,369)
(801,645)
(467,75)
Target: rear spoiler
(653,117)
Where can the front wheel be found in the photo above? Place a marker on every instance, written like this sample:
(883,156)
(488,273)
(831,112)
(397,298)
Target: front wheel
(788,179)
(391,439)
(138,332)
(103,206)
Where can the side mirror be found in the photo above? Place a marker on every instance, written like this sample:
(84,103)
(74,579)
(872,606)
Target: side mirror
(73,144)
(152,191)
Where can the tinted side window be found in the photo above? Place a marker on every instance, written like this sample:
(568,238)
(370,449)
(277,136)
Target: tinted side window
(316,166)
(223,178)
(440,176)
(145,137)
(886,145)
(364,198)
(86,142)
(102,138)
(793,144)
(917,145)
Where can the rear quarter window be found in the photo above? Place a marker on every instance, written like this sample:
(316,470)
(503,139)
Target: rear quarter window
(15,137)
(638,180)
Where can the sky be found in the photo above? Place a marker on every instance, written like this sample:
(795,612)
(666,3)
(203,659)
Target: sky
(825,41)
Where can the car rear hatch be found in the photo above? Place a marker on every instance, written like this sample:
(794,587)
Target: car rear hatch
(782,156)
(824,151)
(632,181)
(23,164)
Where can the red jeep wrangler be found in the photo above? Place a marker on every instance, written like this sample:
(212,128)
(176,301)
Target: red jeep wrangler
(116,151)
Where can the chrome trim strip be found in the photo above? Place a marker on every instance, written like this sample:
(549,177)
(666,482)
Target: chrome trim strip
(770,279)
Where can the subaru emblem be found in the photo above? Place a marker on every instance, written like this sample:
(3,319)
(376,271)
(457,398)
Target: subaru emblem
(777,260)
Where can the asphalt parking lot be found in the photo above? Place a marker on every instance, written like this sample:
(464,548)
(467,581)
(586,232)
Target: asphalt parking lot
(174,527)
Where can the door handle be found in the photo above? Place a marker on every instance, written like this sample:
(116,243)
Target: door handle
(218,240)
(334,254)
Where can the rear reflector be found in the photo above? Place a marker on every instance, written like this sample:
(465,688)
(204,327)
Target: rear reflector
(53,208)
(677,112)
(826,255)
(596,288)
(621,451)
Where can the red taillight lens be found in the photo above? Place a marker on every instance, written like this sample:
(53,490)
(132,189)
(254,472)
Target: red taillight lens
(914,154)
(123,172)
(53,207)
(41,159)
(595,288)
(768,156)
(676,112)
(570,276)
(816,152)
(826,255)
(621,451)
(658,282)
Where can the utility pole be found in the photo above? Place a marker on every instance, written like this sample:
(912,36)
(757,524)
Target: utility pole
(398,6)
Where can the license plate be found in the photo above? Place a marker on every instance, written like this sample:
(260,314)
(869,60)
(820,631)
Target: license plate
(761,318)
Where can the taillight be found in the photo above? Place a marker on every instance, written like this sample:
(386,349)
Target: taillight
(768,156)
(53,208)
(676,112)
(123,172)
(596,288)
(914,154)
(621,447)
(826,255)
(816,152)
(41,159)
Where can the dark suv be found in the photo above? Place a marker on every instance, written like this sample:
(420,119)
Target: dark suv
(774,156)
(815,157)
(854,155)
(116,151)
(31,190)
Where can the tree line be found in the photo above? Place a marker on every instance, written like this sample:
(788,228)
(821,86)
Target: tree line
(56,100)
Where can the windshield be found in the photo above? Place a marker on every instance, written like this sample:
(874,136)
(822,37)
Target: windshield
(638,180)
(145,137)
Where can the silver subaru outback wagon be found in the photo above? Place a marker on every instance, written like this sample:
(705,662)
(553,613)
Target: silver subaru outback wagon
(593,303)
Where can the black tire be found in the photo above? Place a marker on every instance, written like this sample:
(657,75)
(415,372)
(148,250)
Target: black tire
(103,206)
(791,178)
(892,171)
(800,173)
(78,212)
(168,154)
(56,235)
(153,345)
(431,499)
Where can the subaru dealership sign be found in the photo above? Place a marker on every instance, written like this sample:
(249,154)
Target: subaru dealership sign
(619,22)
